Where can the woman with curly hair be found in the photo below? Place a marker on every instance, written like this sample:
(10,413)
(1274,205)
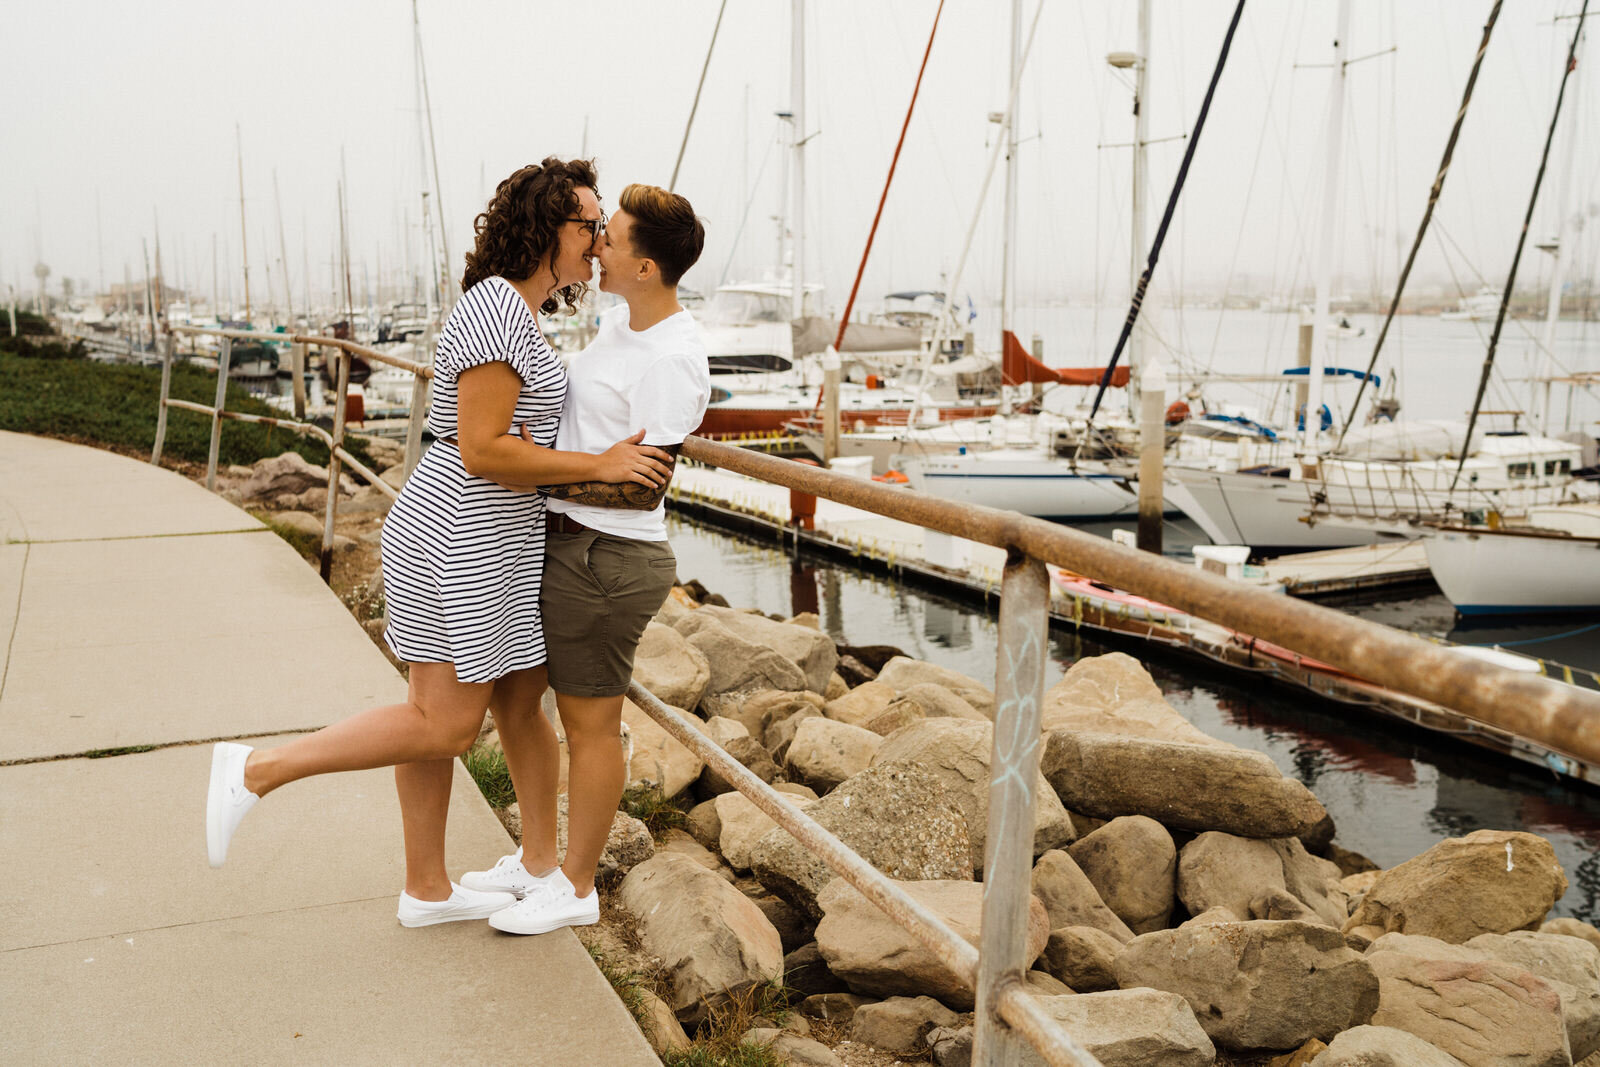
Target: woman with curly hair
(462,553)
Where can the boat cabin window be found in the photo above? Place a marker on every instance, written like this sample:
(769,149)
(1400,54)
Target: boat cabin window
(1561,467)
(1519,470)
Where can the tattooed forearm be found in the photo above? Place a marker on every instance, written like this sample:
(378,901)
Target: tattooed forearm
(629,496)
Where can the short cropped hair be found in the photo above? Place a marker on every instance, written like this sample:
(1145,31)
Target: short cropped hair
(664,229)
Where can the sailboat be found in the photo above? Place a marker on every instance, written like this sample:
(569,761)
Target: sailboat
(1549,562)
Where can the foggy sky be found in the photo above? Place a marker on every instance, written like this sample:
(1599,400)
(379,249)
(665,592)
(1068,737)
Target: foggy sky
(118,116)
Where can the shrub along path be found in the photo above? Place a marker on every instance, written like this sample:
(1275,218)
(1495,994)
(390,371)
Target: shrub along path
(141,616)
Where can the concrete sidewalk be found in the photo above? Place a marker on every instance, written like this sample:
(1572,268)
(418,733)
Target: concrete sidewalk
(136,610)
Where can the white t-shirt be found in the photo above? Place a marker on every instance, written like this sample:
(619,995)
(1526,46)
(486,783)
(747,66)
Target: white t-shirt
(627,380)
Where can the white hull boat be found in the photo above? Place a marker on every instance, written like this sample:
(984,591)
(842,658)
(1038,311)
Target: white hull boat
(1521,570)
(1026,481)
(1359,501)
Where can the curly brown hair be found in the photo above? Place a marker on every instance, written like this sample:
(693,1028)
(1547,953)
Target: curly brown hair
(520,230)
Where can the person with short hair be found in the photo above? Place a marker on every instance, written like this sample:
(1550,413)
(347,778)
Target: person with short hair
(608,565)
(462,553)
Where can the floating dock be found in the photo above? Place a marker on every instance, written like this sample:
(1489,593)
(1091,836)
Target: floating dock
(972,571)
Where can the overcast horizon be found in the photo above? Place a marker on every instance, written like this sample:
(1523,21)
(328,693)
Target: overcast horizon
(130,118)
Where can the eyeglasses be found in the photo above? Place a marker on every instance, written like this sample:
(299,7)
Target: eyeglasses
(596,227)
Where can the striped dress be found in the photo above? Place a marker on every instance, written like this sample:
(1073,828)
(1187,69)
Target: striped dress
(462,557)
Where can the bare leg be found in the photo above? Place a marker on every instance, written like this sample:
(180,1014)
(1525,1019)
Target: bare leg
(439,720)
(424,789)
(594,783)
(533,755)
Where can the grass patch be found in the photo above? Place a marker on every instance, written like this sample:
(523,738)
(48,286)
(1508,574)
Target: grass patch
(53,391)
(719,1041)
(647,804)
(125,750)
(487,765)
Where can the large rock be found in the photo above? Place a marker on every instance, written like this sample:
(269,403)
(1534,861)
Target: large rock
(1070,899)
(1485,1013)
(1114,694)
(1382,1046)
(1129,1028)
(1217,868)
(288,473)
(1082,957)
(713,941)
(759,711)
(902,673)
(780,734)
(958,753)
(1189,786)
(860,705)
(937,702)
(737,667)
(749,753)
(1569,966)
(671,668)
(1488,882)
(807,648)
(1132,863)
(900,1024)
(658,758)
(825,752)
(742,824)
(877,957)
(660,1024)
(1260,984)
(1572,928)
(893,815)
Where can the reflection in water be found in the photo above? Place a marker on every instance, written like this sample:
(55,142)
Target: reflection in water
(947,625)
(1393,790)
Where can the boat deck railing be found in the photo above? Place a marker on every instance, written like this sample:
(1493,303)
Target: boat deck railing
(1563,718)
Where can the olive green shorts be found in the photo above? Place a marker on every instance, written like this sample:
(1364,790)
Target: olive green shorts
(598,594)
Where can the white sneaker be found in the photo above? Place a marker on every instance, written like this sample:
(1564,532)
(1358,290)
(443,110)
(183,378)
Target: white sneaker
(463,904)
(547,907)
(507,876)
(227,800)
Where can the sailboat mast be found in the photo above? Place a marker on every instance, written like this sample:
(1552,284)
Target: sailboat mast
(1325,251)
(283,254)
(1008,227)
(244,242)
(1140,183)
(797,103)
(438,268)
(1545,360)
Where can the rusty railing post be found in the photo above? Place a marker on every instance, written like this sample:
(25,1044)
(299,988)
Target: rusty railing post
(417,420)
(342,389)
(1014,770)
(161,407)
(297,367)
(224,362)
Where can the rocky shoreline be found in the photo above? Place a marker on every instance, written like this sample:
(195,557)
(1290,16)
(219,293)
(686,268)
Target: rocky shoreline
(1191,905)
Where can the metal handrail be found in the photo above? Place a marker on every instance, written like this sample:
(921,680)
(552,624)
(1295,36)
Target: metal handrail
(344,352)
(1561,717)
(369,354)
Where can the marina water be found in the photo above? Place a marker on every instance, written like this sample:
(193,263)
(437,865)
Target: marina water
(1393,790)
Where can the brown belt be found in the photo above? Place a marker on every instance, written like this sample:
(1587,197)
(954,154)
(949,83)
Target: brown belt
(562,523)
